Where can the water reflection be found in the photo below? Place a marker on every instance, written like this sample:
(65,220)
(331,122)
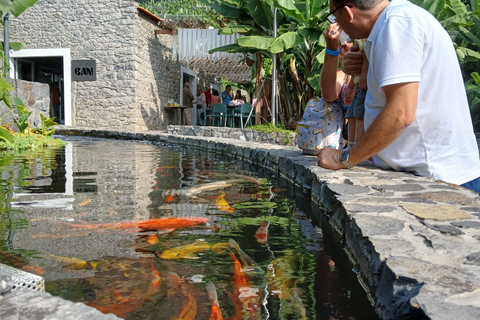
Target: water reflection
(256,257)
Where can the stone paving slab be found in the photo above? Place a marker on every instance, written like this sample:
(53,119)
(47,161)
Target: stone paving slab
(415,241)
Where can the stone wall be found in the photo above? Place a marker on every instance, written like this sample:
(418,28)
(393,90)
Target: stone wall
(36,98)
(100,30)
(136,74)
(157,75)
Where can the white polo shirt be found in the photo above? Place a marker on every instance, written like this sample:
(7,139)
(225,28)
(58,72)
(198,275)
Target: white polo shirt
(407,44)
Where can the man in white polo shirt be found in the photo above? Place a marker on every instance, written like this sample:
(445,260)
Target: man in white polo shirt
(417,117)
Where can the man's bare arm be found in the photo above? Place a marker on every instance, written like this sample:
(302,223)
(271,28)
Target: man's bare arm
(397,115)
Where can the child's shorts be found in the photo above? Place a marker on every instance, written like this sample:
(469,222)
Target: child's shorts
(357,107)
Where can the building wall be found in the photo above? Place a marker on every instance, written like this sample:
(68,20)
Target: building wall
(136,74)
(157,75)
(100,30)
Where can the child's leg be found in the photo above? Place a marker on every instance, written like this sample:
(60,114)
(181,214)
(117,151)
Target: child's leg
(352,128)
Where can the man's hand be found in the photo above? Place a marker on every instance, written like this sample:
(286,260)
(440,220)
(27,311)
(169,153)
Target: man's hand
(352,61)
(329,158)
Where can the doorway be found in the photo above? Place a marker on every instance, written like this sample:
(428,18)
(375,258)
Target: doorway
(53,66)
(190,76)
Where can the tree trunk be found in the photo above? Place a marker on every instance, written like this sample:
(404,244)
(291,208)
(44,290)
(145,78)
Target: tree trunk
(258,81)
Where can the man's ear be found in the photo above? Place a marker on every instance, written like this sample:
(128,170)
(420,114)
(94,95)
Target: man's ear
(350,13)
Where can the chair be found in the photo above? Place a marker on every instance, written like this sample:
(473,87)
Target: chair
(242,112)
(219,111)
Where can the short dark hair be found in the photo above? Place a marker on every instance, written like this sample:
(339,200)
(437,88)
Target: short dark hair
(228,86)
(360,4)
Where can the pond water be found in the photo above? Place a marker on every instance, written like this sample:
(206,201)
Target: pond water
(143,231)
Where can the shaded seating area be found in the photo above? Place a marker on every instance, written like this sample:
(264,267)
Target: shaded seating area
(241,114)
(218,115)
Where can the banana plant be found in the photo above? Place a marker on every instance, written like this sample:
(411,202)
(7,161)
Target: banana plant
(15,7)
(297,45)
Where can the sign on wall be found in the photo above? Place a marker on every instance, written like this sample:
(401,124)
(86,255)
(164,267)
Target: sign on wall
(84,70)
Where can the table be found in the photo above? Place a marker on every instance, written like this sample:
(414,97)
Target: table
(230,113)
(175,109)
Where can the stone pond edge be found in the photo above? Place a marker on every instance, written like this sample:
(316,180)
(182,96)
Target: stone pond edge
(328,188)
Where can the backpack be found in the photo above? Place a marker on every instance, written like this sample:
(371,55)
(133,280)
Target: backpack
(321,126)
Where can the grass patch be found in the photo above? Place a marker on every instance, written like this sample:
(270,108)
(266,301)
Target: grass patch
(269,127)
(30,141)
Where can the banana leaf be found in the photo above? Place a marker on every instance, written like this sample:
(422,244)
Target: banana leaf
(458,6)
(233,48)
(16,7)
(257,42)
(285,42)
(262,12)
(242,29)
(6,135)
(226,10)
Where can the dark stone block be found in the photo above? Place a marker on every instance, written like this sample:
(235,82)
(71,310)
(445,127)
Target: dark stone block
(447,229)
(473,258)
(467,224)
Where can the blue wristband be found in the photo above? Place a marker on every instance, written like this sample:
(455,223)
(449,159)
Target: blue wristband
(332,53)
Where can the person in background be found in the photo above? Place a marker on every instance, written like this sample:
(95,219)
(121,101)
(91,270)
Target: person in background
(56,101)
(238,100)
(356,109)
(417,117)
(333,80)
(226,96)
(215,97)
(208,97)
(201,106)
(188,99)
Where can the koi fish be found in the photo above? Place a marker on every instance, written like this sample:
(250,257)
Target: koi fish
(222,204)
(249,266)
(244,294)
(85,202)
(189,309)
(282,280)
(35,269)
(20,263)
(215,312)
(150,224)
(170,198)
(71,263)
(122,285)
(187,251)
(262,232)
(153,239)
(156,281)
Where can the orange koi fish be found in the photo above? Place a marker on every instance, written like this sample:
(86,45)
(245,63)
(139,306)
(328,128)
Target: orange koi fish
(244,293)
(153,239)
(150,224)
(262,232)
(111,293)
(189,309)
(222,204)
(215,313)
(85,202)
(170,198)
(156,281)
(34,269)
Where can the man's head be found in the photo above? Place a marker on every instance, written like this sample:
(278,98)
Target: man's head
(186,84)
(356,17)
(207,89)
(228,88)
